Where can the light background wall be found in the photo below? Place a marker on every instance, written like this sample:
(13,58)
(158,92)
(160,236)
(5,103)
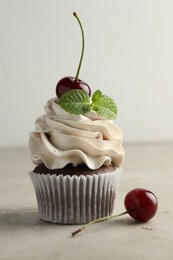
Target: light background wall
(128,55)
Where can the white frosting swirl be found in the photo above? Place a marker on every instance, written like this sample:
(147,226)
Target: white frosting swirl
(61,138)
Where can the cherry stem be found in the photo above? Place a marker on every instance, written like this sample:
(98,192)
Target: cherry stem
(83,45)
(99,220)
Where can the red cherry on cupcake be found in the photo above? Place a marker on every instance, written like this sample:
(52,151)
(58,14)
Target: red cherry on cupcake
(140,204)
(69,83)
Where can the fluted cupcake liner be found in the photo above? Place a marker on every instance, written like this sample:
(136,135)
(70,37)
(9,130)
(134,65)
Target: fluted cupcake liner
(75,199)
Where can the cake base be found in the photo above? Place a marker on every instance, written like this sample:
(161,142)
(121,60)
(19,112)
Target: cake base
(70,170)
(75,199)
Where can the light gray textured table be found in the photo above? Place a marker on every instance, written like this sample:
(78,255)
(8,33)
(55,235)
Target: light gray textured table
(24,236)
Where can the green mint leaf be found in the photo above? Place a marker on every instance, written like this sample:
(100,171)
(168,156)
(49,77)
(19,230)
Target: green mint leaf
(97,94)
(75,101)
(105,106)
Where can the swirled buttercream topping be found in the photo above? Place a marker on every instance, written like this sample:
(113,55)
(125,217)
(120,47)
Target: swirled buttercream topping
(61,138)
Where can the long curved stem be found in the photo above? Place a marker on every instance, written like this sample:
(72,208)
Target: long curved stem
(97,221)
(83,45)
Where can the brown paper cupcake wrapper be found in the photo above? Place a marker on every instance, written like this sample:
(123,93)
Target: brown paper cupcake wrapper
(75,199)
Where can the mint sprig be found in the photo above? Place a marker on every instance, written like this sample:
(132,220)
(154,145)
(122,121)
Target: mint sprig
(104,105)
(75,102)
(78,102)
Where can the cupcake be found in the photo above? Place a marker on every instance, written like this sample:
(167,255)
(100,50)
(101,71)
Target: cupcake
(78,153)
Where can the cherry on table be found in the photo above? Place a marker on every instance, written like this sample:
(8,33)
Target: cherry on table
(141,204)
